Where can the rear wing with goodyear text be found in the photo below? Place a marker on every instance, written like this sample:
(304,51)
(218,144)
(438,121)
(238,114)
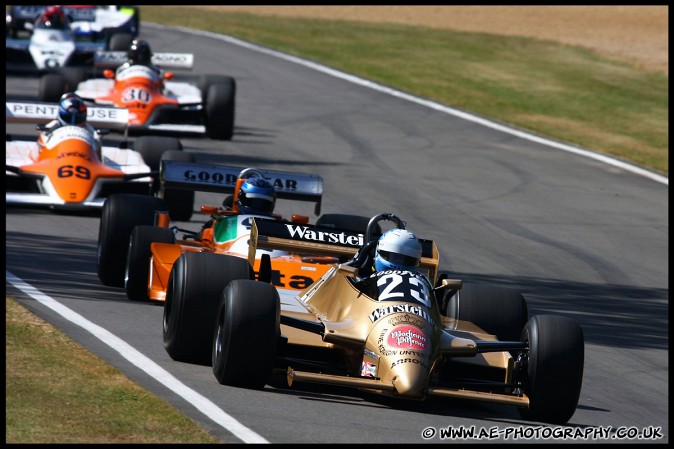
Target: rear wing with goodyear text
(223,178)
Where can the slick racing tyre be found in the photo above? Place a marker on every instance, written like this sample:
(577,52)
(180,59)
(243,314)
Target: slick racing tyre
(138,262)
(498,311)
(121,213)
(195,285)
(553,368)
(219,106)
(246,334)
(120,41)
(180,202)
(52,87)
(151,148)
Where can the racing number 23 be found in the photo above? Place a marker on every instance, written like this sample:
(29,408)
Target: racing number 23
(392,288)
(66,171)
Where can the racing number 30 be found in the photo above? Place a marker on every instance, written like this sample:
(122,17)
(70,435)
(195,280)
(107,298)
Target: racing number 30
(393,288)
(136,94)
(79,171)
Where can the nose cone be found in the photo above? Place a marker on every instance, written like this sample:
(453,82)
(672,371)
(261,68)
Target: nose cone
(410,377)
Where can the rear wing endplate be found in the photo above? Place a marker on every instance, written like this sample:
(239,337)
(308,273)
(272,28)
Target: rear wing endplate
(222,179)
(39,113)
(113,59)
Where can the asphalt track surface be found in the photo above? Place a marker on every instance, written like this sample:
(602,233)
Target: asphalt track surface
(579,237)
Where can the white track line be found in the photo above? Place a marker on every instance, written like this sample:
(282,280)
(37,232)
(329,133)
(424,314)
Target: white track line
(139,360)
(431,104)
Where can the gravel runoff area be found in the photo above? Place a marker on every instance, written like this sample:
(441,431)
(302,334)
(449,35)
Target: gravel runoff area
(639,34)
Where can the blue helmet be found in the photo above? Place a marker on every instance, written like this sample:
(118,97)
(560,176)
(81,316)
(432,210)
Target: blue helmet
(397,249)
(256,196)
(72,110)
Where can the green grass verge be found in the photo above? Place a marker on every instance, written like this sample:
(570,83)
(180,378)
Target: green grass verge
(563,92)
(57,392)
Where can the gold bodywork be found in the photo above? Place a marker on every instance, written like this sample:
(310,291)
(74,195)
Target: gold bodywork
(389,347)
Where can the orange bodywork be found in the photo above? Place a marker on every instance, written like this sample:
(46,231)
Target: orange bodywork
(73,167)
(291,272)
(139,94)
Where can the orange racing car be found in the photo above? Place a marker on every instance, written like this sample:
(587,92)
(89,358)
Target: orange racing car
(137,248)
(157,103)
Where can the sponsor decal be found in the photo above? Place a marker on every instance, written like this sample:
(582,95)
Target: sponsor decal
(407,319)
(220,177)
(84,156)
(381,336)
(172,58)
(65,133)
(368,369)
(407,337)
(386,352)
(304,233)
(137,71)
(50,111)
(382,312)
(20,109)
(415,361)
(414,353)
(296,282)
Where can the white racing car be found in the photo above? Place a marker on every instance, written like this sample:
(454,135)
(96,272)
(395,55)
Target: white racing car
(94,22)
(54,44)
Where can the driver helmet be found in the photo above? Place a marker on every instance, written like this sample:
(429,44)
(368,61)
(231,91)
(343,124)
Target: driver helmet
(72,110)
(256,196)
(397,249)
(53,17)
(140,52)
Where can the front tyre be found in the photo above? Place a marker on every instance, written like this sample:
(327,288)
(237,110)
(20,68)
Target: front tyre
(195,285)
(121,213)
(553,370)
(246,334)
(138,261)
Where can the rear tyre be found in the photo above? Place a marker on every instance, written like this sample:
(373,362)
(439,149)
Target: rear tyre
(244,354)
(121,213)
(152,148)
(120,41)
(138,262)
(73,77)
(195,285)
(498,311)
(554,368)
(52,87)
(180,202)
(220,109)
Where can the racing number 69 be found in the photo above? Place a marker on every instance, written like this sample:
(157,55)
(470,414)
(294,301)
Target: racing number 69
(79,171)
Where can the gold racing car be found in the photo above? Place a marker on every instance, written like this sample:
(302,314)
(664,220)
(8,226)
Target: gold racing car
(396,332)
